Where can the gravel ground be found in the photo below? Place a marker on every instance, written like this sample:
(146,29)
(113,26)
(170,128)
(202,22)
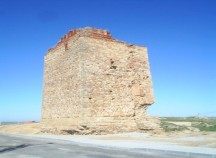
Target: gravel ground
(195,142)
(143,141)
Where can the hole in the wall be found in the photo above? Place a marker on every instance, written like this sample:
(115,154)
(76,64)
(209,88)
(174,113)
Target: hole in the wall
(66,46)
(85,126)
(130,45)
(130,67)
(146,77)
(110,91)
(71,131)
(90,98)
(113,67)
(111,61)
(133,82)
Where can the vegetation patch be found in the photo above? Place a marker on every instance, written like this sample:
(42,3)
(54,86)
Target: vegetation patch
(168,127)
(200,123)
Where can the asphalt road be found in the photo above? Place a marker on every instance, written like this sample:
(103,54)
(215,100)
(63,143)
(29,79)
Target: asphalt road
(32,147)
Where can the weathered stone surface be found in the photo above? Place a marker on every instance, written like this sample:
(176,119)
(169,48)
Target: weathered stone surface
(96,84)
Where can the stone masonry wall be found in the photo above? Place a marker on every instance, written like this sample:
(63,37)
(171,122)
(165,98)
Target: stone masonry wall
(95,84)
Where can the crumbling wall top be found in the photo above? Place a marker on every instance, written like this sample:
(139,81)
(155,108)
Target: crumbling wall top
(87,32)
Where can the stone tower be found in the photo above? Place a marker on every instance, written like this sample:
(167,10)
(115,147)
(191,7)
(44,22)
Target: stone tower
(96,84)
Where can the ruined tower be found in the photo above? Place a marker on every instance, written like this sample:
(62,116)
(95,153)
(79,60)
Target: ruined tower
(96,84)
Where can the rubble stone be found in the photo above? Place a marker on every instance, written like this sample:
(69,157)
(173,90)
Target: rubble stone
(96,84)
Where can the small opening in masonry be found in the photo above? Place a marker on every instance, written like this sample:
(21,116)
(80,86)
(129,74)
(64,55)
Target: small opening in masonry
(90,98)
(113,67)
(110,91)
(66,46)
(111,61)
(130,45)
(146,77)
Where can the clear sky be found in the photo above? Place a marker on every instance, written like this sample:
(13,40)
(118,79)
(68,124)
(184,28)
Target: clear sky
(180,36)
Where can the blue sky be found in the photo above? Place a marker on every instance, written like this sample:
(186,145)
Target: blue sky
(180,36)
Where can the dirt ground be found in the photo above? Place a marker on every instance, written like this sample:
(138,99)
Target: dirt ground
(195,139)
(187,138)
(31,128)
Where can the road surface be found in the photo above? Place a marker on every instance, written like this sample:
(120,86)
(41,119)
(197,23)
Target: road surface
(32,147)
